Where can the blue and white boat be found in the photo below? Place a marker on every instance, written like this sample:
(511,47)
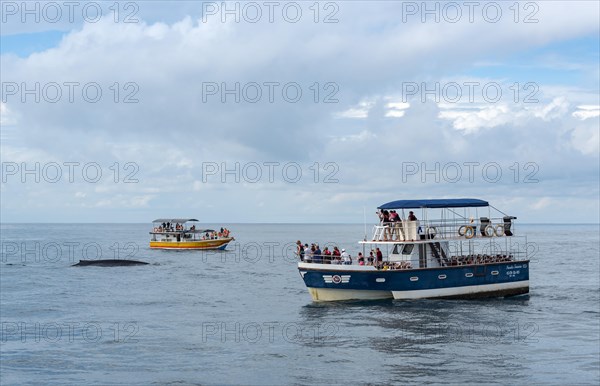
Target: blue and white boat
(457,248)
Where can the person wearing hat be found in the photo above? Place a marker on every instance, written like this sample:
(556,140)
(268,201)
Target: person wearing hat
(346,258)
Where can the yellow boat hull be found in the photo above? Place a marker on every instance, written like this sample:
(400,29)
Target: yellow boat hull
(200,244)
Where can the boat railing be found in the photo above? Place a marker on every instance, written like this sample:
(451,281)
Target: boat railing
(338,260)
(328,259)
(453,260)
(443,229)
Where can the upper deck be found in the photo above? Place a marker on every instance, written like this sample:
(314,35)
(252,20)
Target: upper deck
(441,220)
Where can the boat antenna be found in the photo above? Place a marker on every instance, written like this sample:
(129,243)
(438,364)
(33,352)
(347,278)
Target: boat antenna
(365,222)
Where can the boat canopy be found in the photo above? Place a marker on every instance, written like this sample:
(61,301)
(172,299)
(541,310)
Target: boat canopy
(435,203)
(175,220)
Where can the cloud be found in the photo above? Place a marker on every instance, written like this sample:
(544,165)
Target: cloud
(359,111)
(351,112)
(396,109)
(586,112)
(6,116)
(472,120)
(586,139)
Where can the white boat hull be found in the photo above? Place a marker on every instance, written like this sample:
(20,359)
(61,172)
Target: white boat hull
(332,294)
(498,289)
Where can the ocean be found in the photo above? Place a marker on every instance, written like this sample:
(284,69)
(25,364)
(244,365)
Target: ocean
(244,317)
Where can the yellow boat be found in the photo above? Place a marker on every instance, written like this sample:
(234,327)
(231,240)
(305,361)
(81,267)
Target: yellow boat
(174,233)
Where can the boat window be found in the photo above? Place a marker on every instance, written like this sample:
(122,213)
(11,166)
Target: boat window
(397,249)
(408,248)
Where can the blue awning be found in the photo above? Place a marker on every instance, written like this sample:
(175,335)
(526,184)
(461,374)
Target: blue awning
(435,203)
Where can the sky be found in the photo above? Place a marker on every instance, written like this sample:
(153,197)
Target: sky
(297,112)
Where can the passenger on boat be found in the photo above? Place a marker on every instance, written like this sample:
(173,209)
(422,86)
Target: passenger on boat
(346,258)
(379,214)
(361,259)
(411,216)
(326,255)
(387,234)
(193,228)
(379,255)
(398,229)
(370,259)
(336,256)
(317,256)
(307,254)
(392,220)
(300,250)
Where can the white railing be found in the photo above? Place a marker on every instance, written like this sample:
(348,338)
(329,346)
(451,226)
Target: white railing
(443,229)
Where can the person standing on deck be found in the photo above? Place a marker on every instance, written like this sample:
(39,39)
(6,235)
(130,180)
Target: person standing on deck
(346,259)
(300,250)
(307,254)
(379,255)
(317,257)
(326,256)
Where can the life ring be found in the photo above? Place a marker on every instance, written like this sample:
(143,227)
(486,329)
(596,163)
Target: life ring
(431,232)
(469,232)
(489,231)
(461,230)
(499,231)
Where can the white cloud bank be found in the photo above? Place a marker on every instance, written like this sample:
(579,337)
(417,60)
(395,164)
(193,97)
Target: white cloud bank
(352,113)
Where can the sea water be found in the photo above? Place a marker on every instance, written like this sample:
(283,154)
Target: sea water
(244,316)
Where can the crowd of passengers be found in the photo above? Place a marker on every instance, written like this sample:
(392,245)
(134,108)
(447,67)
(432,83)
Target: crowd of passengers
(392,223)
(169,227)
(479,259)
(224,232)
(314,254)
